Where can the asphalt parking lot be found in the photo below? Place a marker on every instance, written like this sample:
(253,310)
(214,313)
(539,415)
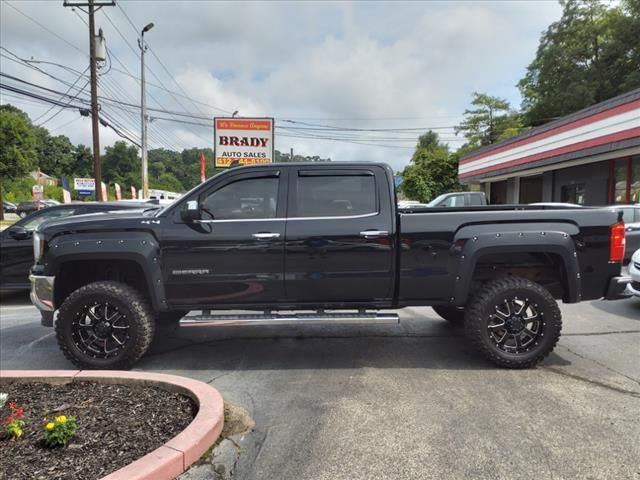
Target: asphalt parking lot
(402,401)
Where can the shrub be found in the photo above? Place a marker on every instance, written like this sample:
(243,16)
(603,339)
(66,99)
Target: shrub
(13,423)
(59,432)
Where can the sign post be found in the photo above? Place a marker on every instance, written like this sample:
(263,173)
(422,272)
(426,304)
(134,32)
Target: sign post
(243,141)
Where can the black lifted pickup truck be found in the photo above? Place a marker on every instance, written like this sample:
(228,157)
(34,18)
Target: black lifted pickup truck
(326,239)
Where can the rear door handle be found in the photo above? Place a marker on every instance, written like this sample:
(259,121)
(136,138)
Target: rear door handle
(374,233)
(265,235)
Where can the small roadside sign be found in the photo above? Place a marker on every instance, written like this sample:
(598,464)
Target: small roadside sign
(85,186)
(37,192)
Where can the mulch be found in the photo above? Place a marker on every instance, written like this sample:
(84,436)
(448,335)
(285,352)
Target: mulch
(116,424)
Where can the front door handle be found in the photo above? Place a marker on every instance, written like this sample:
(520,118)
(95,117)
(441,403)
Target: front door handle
(265,235)
(374,233)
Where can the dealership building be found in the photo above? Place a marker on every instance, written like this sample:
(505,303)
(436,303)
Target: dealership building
(591,157)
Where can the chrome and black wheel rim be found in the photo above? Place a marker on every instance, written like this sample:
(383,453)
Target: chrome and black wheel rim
(100,330)
(516,326)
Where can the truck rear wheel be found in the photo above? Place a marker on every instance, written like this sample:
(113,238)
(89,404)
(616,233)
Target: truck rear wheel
(513,322)
(105,325)
(451,314)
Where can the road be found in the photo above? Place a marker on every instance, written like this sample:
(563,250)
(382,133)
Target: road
(403,401)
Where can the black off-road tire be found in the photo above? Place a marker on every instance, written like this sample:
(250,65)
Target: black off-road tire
(481,308)
(127,300)
(453,315)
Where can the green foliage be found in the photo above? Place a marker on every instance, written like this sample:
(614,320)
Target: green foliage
(13,423)
(121,164)
(56,155)
(432,171)
(490,121)
(59,432)
(17,139)
(590,55)
(82,163)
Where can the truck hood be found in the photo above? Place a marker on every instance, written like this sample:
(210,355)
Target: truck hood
(103,221)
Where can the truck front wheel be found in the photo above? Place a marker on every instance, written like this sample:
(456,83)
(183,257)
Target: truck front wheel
(513,322)
(105,325)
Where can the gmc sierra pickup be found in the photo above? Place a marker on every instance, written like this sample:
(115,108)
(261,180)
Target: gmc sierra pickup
(326,239)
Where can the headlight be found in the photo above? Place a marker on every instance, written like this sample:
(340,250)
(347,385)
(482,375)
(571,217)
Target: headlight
(38,246)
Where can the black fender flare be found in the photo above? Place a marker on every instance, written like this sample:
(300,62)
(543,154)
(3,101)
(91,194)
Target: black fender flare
(469,250)
(139,247)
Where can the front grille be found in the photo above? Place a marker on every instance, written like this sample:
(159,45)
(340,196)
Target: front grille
(637,265)
(635,285)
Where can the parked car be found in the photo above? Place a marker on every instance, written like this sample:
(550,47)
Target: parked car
(631,219)
(29,206)
(459,199)
(8,207)
(273,237)
(634,272)
(16,249)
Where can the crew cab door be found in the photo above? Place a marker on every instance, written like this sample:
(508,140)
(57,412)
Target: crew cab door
(339,241)
(234,254)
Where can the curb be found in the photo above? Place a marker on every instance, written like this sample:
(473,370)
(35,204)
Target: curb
(178,454)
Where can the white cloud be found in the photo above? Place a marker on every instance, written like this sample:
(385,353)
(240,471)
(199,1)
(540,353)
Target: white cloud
(381,61)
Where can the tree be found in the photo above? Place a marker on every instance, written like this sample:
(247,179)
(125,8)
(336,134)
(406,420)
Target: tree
(492,120)
(121,164)
(590,55)
(432,171)
(56,155)
(82,162)
(166,181)
(18,148)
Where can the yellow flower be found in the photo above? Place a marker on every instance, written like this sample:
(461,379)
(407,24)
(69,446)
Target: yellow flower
(50,426)
(61,419)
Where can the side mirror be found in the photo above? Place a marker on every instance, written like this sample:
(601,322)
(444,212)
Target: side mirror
(190,212)
(19,233)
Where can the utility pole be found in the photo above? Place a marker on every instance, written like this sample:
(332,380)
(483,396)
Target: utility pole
(95,119)
(143,114)
(291,158)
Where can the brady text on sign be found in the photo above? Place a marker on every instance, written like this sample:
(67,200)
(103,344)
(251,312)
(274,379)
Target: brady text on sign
(243,141)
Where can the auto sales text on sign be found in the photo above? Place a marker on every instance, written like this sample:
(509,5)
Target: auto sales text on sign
(244,141)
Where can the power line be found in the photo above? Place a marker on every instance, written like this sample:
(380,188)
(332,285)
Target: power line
(72,98)
(160,62)
(45,28)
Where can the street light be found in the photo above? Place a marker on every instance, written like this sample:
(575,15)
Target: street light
(143,114)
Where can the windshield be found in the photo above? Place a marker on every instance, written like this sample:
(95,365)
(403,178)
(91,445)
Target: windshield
(436,201)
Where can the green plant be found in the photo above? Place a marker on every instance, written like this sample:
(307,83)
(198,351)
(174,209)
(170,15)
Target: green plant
(13,423)
(59,432)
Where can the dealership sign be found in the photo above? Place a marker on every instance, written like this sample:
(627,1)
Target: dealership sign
(85,186)
(243,141)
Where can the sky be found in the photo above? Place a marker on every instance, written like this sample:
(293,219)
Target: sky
(358,65)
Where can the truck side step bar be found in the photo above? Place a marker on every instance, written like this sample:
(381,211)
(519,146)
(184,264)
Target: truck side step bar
(222,320)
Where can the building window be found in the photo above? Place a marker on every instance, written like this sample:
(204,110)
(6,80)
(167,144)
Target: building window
(624,182)
(634,183)
(572,194)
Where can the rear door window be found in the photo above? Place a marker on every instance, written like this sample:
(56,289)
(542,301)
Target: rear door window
(334,195)
(476,200)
